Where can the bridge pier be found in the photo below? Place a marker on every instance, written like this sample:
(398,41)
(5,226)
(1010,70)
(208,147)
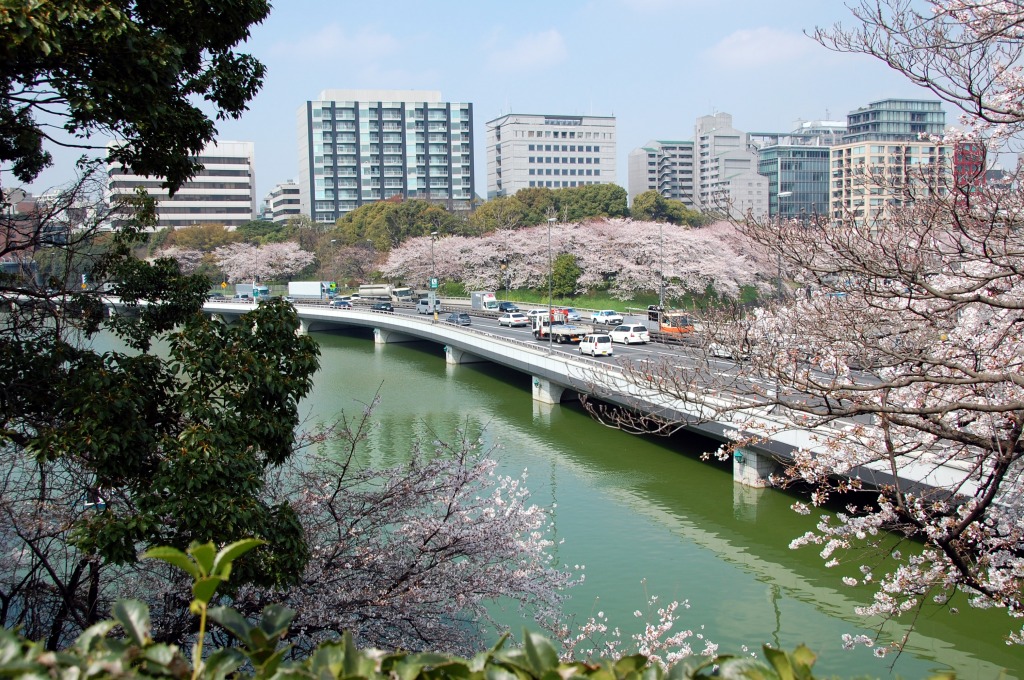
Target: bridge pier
(454,356)
(751,468)
(547,392)
(382,336)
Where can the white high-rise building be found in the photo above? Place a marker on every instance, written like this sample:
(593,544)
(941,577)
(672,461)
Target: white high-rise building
(551,151)
(224,191)
(726,178)
(663,166)
(363,146)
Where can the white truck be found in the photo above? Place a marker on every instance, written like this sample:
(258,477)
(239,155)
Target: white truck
(559,330)
(251,291)
(307,290)
(483,300)
(385,291)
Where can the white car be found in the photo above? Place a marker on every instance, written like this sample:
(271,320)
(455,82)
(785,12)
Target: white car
(513,319)
(629,334)
(597,344)
(608,317)
(536,312)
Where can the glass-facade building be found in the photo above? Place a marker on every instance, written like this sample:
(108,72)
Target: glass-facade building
(362,146)
(797,180)
(895,120)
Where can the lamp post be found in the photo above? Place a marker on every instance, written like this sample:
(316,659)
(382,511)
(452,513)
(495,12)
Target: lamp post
(661,266)
(433,279)
(778,281)
(551,221)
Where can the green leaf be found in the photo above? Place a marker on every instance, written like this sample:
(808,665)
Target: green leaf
(174,557)
(540,652)
(780,661)
(233,622)
(276,619)
(804,659)
(222,663)
(93,635)
(204,555)
(204,588)
(134,618)
(230,553)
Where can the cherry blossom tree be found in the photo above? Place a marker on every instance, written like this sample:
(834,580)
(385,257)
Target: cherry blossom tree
(188,259)
(899,347)
(246,262)
(407,557)
(623,255)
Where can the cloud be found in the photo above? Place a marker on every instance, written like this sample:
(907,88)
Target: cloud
(758,47)
(331,42)
(530,52)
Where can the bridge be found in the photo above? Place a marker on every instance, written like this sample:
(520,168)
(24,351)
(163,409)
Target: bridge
(560,376)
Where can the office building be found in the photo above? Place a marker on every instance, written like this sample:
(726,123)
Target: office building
(726,179)
(797,167)
(223,192)
(883,162)
(550,151)
(282,203)
(664,166)
(363,146)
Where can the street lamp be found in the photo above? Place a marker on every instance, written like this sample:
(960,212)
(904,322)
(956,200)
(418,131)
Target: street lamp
(551,221)
(661,266)
(781,195)
(433,279)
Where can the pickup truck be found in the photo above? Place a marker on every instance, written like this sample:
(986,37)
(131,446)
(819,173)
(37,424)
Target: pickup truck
(608,317)
(559,331)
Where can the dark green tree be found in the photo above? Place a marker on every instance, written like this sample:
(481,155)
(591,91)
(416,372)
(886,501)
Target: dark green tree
(157,439)
(389,223)
(565,275)
(594,200)
(539,203)
(654,207)
(133,68)
(504,212)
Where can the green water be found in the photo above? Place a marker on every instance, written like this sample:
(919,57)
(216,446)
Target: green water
(647,517)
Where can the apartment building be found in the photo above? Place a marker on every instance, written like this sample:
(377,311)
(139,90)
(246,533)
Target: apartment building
(224,191)
(665,166)
(282,203)
(886,159)
(362,146)
(726,178)
(550,151)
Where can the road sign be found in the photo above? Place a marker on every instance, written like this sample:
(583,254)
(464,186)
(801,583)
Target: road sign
(223,284)
(433,283)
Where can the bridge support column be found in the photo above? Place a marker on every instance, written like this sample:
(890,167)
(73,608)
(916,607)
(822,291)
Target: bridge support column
(547,392)
(382,336)
(454,355)
(303,328)
(752,469)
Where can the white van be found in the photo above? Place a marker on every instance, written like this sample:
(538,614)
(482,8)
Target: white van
(423,306)
(597,344)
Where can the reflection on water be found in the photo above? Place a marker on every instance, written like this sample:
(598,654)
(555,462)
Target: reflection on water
(644,516)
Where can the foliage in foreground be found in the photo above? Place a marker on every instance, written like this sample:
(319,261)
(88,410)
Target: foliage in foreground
(259,649)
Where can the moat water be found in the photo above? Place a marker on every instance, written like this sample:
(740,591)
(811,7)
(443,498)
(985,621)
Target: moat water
(648,518)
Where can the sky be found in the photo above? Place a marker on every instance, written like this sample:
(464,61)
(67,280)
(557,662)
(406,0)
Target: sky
(656,65)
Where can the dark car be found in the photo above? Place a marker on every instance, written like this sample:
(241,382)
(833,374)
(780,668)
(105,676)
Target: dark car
(341,304)
(507,307)
(383,307)
(460,319)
